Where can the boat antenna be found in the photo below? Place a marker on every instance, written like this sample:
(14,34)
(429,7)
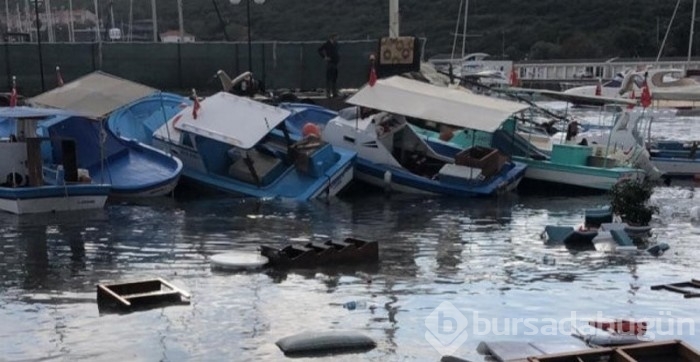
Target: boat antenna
(165,120)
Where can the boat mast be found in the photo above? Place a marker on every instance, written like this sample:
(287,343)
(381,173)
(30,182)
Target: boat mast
(182,21)
(464,33)
(155,21)
(668,29)
(131,20)
(71,26)
(393,18)
(692,29)
(454,39)
(7,15)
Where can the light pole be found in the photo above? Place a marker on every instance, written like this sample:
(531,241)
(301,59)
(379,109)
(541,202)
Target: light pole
(250,46)
(38,42)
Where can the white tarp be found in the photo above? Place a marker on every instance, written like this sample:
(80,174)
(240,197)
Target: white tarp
(96,94)
(238,121)
(438,104)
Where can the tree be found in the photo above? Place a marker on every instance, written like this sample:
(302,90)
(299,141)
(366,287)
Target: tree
(545,50)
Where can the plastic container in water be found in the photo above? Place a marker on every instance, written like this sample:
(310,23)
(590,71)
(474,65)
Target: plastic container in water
(359,304)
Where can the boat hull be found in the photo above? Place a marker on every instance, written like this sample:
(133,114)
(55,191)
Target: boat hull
(594,179)
(400,180)
(33,200)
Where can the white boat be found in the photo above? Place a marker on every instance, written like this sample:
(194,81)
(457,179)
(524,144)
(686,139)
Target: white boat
(392,155)
(669,88)
(23,191)
(628,135)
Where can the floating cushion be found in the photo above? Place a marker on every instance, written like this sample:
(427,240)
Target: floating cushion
(238,261)
(312,343)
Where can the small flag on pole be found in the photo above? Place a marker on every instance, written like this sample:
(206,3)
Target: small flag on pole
(13,94)
(59,78)
(372,77)
(372,72)
(196,106)
(514,81)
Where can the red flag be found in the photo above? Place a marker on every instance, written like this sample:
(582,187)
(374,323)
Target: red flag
(372,76)
(632,97)
(59,78)
(13,95)
(196,106)
(514,78)
(645,99)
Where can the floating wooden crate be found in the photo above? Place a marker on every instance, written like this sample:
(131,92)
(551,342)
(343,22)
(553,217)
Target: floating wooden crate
(666,351)
(329,253)
(140,295)
(689,289)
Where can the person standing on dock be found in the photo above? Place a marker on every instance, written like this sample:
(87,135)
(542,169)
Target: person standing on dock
(329,52)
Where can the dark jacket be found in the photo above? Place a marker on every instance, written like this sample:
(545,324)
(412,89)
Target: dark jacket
(330,50)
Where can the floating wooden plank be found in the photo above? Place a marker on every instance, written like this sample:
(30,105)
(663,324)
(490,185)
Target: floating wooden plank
(665,351)
(681,288)
(141,294)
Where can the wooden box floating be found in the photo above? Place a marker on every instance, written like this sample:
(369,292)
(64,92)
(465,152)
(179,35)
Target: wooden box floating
(666,351)
(140,295)
(348,251)
(689,289)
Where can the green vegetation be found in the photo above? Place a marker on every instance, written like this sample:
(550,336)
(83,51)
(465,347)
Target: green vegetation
(630,200)
(517,29)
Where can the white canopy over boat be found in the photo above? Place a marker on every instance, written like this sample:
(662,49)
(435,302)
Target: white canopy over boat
(96,94)
(238,121)
(454,107)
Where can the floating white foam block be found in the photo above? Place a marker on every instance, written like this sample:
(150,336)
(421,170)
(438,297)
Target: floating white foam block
(238,260)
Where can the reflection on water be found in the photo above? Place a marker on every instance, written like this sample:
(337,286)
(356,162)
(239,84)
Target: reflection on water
(483,256)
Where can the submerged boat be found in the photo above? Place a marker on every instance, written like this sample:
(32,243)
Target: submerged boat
(240,146)
(392,155)
(132,169)
(23,190)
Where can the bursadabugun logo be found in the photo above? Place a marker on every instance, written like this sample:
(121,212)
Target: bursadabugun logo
(446,328)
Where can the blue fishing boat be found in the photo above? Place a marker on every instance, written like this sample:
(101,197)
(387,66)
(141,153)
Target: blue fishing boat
(22,188)
(131,168)
(240,146)
(393,156)
(139,119)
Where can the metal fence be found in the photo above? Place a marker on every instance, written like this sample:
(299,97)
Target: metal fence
(176,66)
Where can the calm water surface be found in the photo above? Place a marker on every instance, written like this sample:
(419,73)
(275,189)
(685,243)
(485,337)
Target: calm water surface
(483,256)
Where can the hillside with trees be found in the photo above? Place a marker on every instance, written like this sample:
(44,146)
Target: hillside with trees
(516,29)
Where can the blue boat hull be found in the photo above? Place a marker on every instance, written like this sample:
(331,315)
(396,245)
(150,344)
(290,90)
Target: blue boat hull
(133,169)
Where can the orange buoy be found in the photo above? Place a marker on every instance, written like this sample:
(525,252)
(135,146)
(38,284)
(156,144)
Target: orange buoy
(311,129)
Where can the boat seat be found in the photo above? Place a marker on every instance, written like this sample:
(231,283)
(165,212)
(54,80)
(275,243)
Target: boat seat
(263,164)
(621,237)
